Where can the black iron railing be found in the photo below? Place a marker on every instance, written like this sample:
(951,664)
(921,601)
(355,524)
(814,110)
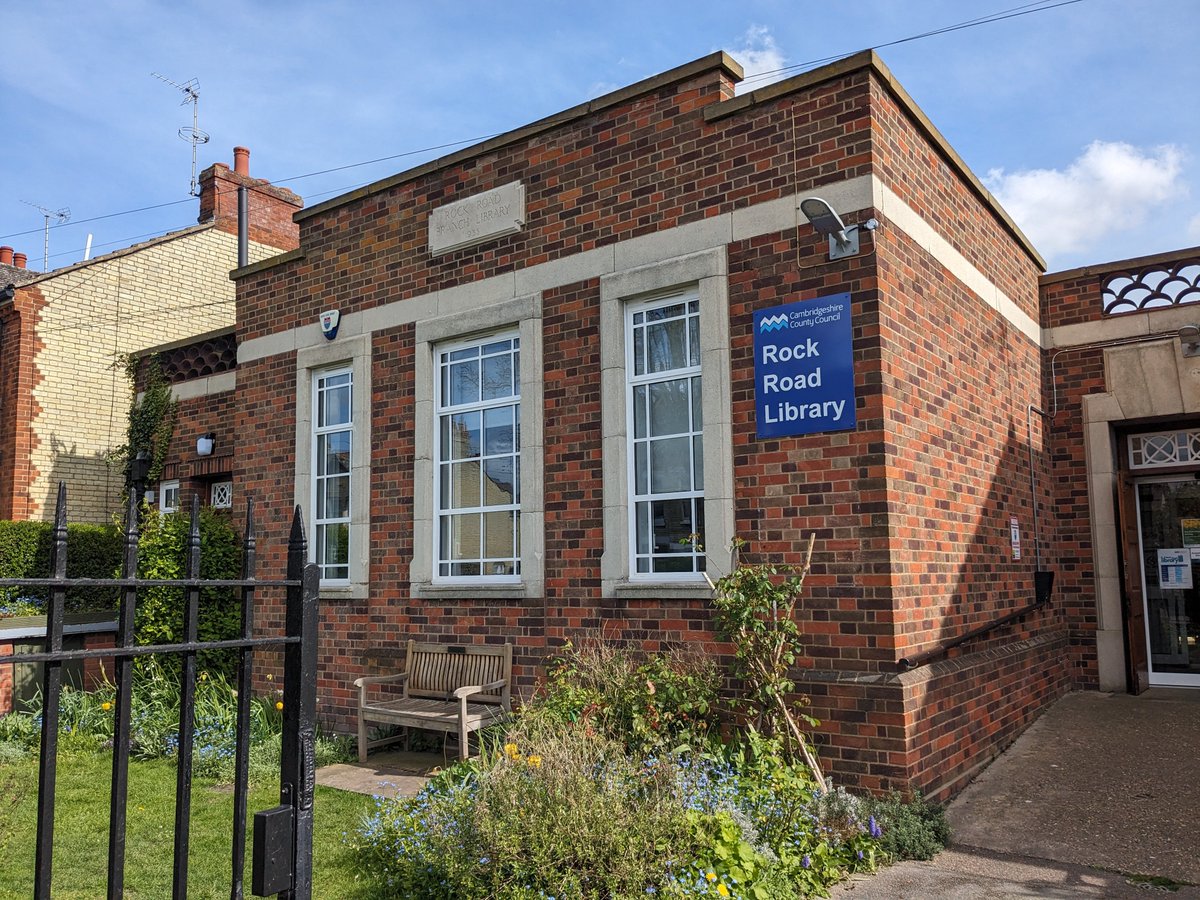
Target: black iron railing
(289,826)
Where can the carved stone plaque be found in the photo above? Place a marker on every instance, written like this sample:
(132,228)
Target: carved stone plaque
(474,220)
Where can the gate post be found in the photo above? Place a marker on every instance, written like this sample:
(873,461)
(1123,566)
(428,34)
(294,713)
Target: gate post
(51,692)
(119,791)
(297,777)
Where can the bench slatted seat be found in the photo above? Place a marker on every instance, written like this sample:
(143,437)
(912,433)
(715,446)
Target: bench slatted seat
(446,687)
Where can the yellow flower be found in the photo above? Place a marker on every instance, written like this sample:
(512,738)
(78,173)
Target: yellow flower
(511,751)
(279,704)
(534,760)
(270,677)
(711,876)
(722,890)
(106,706)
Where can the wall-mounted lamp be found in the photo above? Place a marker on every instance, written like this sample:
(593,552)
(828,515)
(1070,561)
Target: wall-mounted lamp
(843,239)
(1189,337)
(204,444)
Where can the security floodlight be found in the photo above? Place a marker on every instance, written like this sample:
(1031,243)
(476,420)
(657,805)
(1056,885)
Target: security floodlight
(843,240)
(823,218)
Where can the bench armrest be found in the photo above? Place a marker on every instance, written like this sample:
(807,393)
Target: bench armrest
(379,679)
(464,692)
(361,683)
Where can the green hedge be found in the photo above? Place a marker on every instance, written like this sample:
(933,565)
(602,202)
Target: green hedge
(162,554)
(93,551)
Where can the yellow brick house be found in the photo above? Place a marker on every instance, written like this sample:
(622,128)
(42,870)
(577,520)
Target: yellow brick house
(64,394)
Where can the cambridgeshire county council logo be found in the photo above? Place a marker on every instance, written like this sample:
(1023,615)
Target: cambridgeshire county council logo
(773,323)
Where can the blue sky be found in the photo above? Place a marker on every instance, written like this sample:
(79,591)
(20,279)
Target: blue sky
(1082,118)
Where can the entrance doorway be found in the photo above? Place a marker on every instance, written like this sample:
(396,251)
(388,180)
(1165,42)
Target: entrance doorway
(1168,517)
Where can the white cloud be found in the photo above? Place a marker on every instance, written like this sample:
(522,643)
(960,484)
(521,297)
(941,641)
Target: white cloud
(759,56)
(1111,187)
(1193,230)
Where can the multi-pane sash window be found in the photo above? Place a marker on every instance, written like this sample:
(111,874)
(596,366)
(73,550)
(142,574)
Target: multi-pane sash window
(666,479)
(333,440)
(478,460)
(168,496)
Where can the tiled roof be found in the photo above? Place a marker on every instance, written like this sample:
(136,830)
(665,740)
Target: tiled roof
(13,275)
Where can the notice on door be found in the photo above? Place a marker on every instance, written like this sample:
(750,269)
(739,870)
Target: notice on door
(1175,569)
(804,367)
(1191,532)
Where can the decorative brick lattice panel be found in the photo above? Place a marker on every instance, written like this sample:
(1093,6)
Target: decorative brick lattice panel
(222,494)
(1154,287)
(201,359)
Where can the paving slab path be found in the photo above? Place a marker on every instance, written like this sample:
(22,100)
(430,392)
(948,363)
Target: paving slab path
(390,774)
(1102,788)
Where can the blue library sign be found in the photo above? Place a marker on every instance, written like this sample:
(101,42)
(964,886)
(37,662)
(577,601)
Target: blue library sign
(804,367)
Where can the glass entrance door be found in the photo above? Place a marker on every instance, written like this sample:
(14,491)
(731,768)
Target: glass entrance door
(1169,533)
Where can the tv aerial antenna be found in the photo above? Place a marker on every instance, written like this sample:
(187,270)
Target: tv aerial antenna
(192,134)
(62,215)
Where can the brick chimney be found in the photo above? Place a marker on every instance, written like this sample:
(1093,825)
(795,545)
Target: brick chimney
(19,260)
(271,208)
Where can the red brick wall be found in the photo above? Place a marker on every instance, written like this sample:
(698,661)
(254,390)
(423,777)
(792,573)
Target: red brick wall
(270,208)
(213,414)
(921,175)
(958,380)
(830,484)
(6,678)
(1071,374)
(643,166)
(95,671)
(1076,295)
(910,510)
(1072,299)
(19,345)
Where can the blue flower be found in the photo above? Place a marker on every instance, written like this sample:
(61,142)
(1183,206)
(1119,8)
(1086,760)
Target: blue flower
(876,831)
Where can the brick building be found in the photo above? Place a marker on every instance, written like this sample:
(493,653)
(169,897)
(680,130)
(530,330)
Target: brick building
(64,395)
(562,352)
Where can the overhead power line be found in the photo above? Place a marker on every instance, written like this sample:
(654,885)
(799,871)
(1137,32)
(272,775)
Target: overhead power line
(1011,13)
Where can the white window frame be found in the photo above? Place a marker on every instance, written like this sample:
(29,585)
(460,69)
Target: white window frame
(706,274)
(163,489)
(635,311)
(321,523)
(353,352)
(524,314)
(443,464)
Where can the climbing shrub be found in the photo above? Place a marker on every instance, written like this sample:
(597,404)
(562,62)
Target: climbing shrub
(755,612)
(152,418)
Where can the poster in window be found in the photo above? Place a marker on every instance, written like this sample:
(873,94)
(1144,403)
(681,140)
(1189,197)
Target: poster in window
(1175,569)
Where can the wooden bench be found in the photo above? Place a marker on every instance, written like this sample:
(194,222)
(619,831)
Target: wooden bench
(447,687)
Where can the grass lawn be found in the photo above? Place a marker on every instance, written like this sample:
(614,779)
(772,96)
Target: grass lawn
(81,831)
